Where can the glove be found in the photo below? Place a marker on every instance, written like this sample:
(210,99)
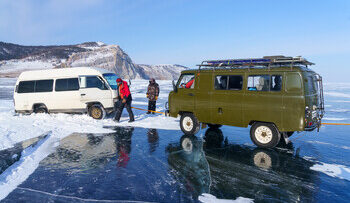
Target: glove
(146,95)
(124,101)
(156,97)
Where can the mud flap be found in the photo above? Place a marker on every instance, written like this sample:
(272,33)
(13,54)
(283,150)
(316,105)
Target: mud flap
(285,136)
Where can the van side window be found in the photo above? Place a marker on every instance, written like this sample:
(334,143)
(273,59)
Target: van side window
(95,82)
(259,83)
(228,82)
(276,82)
(43,85)
(69,84)
(26,86)
(293,82)
(187,81)
(221,82)
(235,82)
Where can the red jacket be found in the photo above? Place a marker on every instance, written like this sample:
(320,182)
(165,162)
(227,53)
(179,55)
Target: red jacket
(189,84)
(124,91)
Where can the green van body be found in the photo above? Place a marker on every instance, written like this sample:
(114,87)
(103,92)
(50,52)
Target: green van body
(294,108)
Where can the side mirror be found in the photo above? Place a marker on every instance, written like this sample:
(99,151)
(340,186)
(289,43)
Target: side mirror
(174,86)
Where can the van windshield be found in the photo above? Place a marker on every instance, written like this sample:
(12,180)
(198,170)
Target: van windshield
(111,79)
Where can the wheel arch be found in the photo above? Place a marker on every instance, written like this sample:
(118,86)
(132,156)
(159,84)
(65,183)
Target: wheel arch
(89,104)
(251,123)
(37,105)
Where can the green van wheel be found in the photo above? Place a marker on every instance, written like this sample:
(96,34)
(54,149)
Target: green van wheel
(264,135)
(189,124)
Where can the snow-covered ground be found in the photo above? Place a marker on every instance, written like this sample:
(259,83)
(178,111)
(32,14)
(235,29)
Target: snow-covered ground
(16,127)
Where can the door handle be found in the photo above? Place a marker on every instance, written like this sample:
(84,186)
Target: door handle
(220,110)
(190,94)
(82,94)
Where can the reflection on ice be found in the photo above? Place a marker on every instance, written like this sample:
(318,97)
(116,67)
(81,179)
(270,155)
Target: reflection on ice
(79,152)
(237,170)
(153,139)
(188,160)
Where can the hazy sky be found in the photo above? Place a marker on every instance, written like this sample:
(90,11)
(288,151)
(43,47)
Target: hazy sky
(186,32)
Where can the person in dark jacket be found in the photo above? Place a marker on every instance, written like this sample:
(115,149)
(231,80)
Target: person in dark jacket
(152,95)
(125,97)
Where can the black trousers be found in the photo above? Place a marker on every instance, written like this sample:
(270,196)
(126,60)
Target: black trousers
(152,105)
(120,107)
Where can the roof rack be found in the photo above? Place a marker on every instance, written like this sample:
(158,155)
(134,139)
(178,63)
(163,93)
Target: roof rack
(268,61)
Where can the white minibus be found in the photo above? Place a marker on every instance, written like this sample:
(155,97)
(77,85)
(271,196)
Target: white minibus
(66,90)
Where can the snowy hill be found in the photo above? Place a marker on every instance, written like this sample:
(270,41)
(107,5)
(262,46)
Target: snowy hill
(15,59)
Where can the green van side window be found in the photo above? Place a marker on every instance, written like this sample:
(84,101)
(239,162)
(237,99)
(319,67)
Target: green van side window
(187,81)
(228,82)
(259,83)
(293,82)
(276,83)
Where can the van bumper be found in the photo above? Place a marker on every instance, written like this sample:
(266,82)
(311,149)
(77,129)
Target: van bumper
(313,127)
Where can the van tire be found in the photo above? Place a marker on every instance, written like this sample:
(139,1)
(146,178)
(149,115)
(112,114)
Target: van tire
(97,111)
(264,135)
(40,109)
(214,126)
(189,124)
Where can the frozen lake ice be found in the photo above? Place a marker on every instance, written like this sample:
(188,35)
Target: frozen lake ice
(84,160)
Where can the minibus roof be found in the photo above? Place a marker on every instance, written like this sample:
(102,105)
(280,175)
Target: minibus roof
(61,73)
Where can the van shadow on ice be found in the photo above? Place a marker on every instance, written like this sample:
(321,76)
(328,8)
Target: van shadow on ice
(212,165)
(11,155)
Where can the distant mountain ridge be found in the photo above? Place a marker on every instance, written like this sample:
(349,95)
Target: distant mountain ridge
(15,59)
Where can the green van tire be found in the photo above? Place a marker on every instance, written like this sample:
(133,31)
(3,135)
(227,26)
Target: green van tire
(189,124)
(264,135)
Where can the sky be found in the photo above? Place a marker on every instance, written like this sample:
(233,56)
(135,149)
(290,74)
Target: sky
(187,32)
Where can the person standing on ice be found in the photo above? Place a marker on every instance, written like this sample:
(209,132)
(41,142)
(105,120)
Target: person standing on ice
(125,96)
(152,95)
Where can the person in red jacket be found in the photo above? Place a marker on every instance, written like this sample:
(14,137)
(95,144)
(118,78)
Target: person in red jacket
(125,97)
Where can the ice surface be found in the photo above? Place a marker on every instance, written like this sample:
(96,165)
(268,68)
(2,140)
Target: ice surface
(20,171)
(16,128)
(208,198)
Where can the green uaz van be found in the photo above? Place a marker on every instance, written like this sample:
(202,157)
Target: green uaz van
(275,95)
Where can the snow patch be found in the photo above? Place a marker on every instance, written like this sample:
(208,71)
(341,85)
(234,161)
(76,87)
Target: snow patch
(334,119)
(333,170)
(208,198)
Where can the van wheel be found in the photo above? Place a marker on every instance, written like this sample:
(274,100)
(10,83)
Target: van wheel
(214,126)
(96,111)
(40,109)
(189,124)
(264,135)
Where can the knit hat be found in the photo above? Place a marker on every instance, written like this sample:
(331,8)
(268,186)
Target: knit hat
(119,80)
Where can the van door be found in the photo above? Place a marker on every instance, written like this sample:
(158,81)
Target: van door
(186,93)
(293,103)
(204,90)
(226,100)
(66,97)
(263,100)
(94,89)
